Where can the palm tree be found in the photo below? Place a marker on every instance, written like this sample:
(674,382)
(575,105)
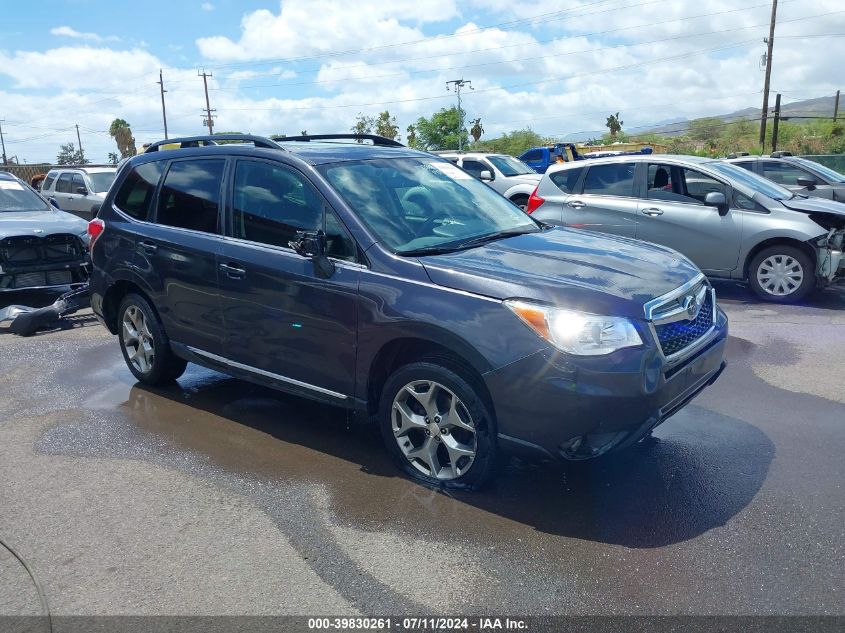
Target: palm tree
(614,124)
(122,135)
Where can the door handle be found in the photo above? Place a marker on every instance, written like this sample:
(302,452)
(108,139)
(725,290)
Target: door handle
(233,271)
(576,204)
(148,247)
(652,211)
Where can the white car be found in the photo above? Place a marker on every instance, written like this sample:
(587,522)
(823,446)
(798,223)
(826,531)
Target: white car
(78,190)
(508,175)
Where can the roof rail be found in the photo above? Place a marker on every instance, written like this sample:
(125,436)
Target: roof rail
(737,154)
(212,139)
(382,141)
(779,154)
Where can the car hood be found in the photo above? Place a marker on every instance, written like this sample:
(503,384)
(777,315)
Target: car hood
(581,270)
(40,223)
(526,178)
(814,205)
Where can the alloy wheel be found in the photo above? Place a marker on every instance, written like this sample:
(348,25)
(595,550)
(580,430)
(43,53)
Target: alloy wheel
(433,429)
(780,275)
(138,340)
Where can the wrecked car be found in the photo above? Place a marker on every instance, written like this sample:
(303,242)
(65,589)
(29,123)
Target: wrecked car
(732,223)
(41,247)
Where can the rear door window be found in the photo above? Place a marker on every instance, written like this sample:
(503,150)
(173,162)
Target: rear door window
(135,196)
(613,179)
(190,195)
(64,183)
(567,179)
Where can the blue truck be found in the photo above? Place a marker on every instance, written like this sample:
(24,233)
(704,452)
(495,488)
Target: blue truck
(540,158)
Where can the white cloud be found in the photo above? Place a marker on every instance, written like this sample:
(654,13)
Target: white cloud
(207,6)
(66,31)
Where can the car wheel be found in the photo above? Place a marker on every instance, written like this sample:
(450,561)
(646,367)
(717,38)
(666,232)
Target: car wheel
(437,427)
(520,201)
(782,274)
(144,344)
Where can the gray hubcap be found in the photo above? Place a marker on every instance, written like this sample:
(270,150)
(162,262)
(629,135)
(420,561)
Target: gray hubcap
(780,275)
(137,340)
(433,429)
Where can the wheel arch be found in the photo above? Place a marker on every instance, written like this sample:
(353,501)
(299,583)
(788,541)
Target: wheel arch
(802,245)
(115,294)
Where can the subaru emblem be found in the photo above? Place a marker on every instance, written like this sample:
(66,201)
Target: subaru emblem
(691,306)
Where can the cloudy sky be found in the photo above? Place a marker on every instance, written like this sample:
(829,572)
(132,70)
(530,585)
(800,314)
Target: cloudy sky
(559,67)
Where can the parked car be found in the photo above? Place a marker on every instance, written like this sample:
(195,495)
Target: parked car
(509,176)
(461,326)
(41,247)
(796,173)
(78,190)
(730,222)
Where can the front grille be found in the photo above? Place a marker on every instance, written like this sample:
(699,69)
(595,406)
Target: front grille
(678,335)
(30,280)
(24,250)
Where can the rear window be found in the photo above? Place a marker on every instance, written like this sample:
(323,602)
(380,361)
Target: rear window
(566,179)
(190,195)
(613,179)
(136,193)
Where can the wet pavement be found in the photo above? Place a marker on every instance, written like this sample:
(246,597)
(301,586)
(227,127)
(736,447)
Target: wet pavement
(215,496)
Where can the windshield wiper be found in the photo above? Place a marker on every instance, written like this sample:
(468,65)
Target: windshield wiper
(450,247)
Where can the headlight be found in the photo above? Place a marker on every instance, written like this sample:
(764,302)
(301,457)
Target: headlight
(577,332)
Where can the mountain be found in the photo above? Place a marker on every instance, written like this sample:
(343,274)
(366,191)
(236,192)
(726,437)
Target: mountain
(821,106)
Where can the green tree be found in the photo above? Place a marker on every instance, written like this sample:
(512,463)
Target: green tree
(385,125)
(113,158)
(441,131)
(69,155)
(513,143)
(706,129)
(411,136)
(120,131)
(614,125)
(363,124)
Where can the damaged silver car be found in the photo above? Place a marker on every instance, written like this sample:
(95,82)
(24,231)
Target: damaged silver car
(733,224)
(41,247)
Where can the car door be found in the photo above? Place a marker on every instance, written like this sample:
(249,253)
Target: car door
(78,202)
(177,251)
(606,201)
(556,188)
(285,319)
(673,213)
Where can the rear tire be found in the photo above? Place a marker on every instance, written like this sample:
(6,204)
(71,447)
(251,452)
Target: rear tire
(782,274)
(437,427)
(144,344)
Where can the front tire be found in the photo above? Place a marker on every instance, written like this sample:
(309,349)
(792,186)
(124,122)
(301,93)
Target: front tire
(782,274)
(144,344)
(521,201)
(437,427)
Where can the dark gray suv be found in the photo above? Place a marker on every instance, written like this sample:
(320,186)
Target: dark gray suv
(457,323)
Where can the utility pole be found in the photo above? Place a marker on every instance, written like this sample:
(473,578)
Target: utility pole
(160,82)
(836,106)
(770,41)
(78,138)
(3,143)
(775,125)
(458,84)
(209,121)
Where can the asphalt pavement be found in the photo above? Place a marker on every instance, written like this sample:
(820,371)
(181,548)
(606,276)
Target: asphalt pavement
(215,496)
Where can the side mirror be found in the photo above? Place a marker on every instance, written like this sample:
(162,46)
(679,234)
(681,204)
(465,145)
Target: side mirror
(312,244)
(486,175)
(809,183)
(717,199)
(54,203)
(82,191)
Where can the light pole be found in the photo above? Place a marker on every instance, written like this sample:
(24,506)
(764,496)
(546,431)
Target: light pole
(459,83)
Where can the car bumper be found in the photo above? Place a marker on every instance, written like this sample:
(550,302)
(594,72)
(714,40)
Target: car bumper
(553,405)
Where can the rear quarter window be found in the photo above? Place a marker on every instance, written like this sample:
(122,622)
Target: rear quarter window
(567,179)
(135,195)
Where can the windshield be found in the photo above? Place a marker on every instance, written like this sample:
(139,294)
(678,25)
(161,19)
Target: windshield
(423,203)
(827,172)
(101,181)
(15,197)
(510,166)
(752,180)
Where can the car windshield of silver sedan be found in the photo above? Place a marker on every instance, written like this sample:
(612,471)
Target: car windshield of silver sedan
(14,197)
(510,166)
(420,205)
(831,174)
(752,180)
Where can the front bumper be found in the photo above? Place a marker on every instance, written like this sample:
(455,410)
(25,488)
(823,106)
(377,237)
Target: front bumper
(554,405)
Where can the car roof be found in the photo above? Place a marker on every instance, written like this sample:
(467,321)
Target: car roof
(679,159)
(468,154)
(4,175)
